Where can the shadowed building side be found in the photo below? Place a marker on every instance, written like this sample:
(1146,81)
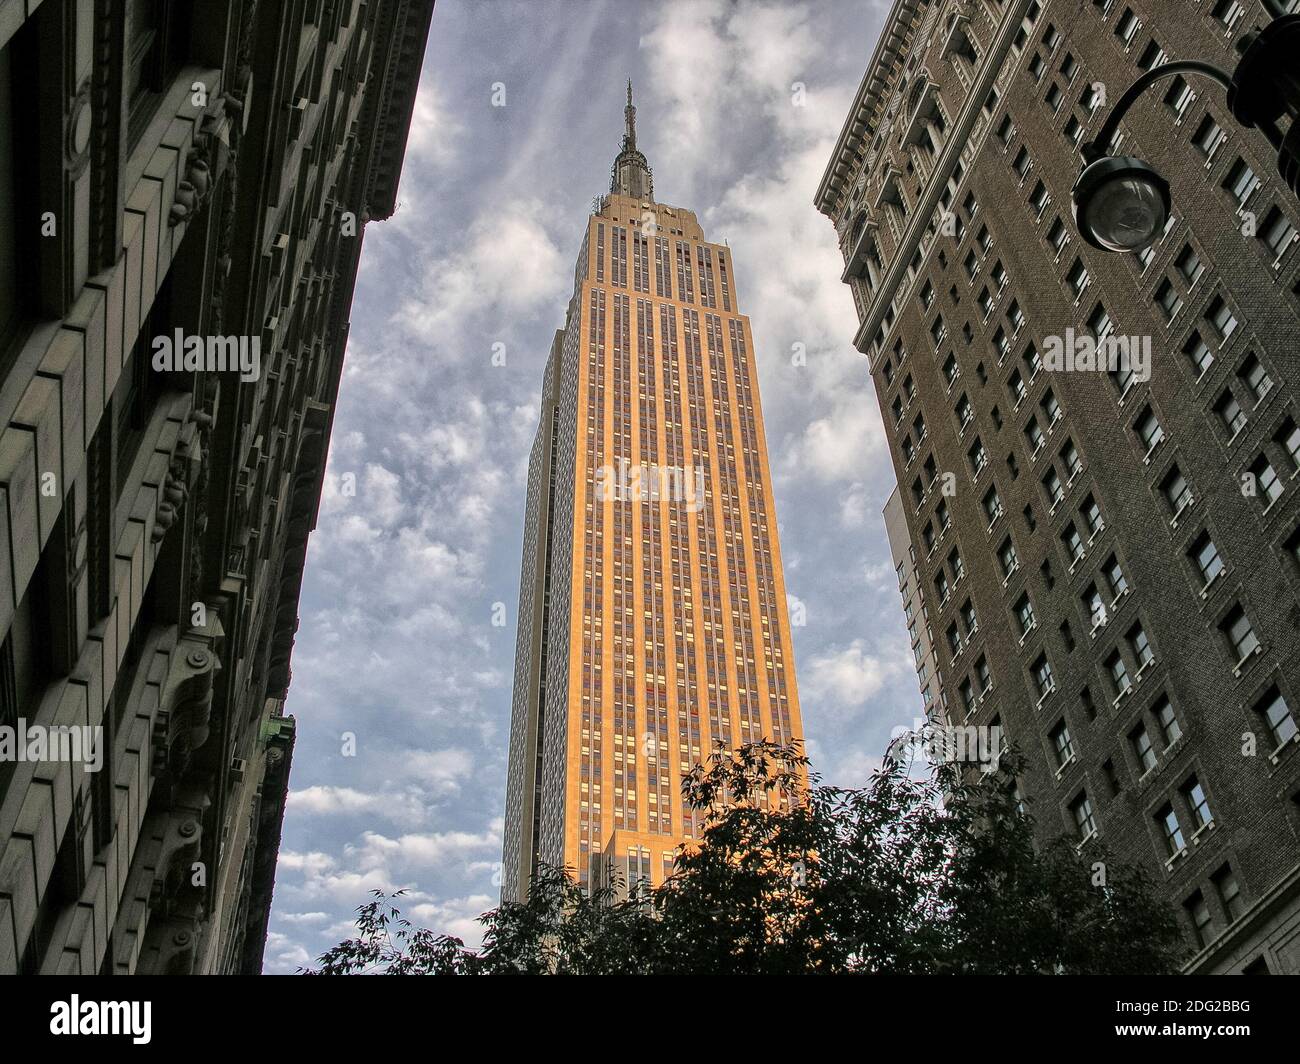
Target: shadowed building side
(201,171)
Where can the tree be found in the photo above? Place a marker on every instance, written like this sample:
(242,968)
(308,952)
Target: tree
(929,874)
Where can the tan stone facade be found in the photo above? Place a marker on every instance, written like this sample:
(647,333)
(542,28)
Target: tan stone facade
(192,171)
(653,617)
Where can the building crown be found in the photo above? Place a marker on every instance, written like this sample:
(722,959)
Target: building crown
(631,174)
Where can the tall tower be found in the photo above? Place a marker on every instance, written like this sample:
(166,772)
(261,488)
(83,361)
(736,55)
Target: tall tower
(652,614)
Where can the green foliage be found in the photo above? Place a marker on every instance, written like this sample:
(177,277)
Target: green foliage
(904,875)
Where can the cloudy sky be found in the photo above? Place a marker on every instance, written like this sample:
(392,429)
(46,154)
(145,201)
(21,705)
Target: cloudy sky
(739,103)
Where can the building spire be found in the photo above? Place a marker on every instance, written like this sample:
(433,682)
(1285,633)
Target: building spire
(629,118)
(631,174)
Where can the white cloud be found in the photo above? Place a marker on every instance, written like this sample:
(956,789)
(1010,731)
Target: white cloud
(509,267)
(846,677)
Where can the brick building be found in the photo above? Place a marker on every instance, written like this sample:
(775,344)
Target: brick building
(1109,558)
(183,190)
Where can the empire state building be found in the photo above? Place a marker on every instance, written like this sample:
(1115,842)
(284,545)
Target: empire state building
(652,615)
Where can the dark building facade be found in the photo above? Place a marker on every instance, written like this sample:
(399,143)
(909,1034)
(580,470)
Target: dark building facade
(1109,557)
(183,191)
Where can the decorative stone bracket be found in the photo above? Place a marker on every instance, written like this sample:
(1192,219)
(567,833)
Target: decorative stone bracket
(183,721)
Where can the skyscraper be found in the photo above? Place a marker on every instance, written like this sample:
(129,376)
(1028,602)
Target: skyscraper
(652,615)
(1109,552)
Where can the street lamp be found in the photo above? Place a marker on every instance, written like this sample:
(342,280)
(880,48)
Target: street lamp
(1122,203)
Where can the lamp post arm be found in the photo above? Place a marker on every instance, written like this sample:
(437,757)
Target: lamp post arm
(1096,148)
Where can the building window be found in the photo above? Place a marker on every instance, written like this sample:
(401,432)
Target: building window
(1240,635)
(1152,55)
(1091,514)
(1034,436)
(1140,647)
(1078,278)
(1007,557)
(1025,616)
(1208,137)
(1229,890)
(1095,607)
(1253,374)
(1267,485)
(1149,430)
(1062,747)
(1194,794)
(1176,490)
(1115,578)
(1081,809)
(1228,13)
(1198,912)
(1230,413)
(1118,673)
(1205,555)
(954,639)
(1058,236)
(1180,96)
(950,369)
(1140,740)
(156,31)
(1042,673)
(1168,300)
(1073,543)
(1278,233)
(1171,830)
(1190,265)
(1277,717)
(1170,730)
(1242,182)
(1198,353)
(1220,316)
(1070,456)
(1053,487)
(992,505)
(1127,27)
(1050,408)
